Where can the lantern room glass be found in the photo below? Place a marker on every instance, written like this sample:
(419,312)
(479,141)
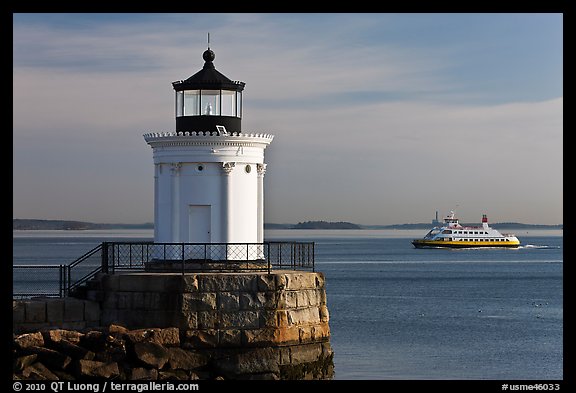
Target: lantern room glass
(238,104)
(179,103)
(228,103)
(191,102)
(209,103)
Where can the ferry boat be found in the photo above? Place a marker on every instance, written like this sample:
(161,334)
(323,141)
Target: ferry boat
(453,235)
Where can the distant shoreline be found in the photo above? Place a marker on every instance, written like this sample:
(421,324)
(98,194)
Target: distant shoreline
(34,224)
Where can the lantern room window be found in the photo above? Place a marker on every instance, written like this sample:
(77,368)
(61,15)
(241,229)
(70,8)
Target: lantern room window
(192,103)
(238,104)
(209,103)
(228,103)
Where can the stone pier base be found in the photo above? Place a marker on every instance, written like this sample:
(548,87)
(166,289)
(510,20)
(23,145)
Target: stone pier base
(249,325)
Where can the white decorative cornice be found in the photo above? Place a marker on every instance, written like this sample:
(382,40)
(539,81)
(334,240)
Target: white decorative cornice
(204,138)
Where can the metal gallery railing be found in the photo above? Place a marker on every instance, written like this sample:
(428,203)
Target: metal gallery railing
(112,257)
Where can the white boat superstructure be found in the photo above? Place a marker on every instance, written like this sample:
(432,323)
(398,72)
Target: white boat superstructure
(453,235)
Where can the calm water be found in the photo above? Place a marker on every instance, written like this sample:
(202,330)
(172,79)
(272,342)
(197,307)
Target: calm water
(397,312)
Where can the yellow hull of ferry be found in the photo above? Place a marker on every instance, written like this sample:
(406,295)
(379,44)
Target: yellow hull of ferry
(421,243)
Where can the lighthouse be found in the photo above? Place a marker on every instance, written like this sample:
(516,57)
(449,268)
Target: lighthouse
(208,173)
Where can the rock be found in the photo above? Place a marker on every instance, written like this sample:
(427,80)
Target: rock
(111,355)
(63,376)
(201,338)
(29,340)
(143,374)
(94,340)
(173,375)
(185,360)
(114,350)
(38,371)
(117,329)
(116,343)
(72,350)
(92,368)
(140,335)
(22,362)
(50,357)
(57,335)
(168,337)
(151,354)
(108,348)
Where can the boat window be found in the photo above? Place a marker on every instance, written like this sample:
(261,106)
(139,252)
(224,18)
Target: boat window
(446,231)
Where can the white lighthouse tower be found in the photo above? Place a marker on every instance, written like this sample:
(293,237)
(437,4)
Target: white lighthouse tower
(208,174)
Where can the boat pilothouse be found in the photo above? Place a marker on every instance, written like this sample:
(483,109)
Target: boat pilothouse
(453,235)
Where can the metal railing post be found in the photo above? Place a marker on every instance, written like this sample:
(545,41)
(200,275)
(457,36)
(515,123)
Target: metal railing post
(104,260)
(183,258)
(313,257)
(68,280)
(61,280)
(268,257)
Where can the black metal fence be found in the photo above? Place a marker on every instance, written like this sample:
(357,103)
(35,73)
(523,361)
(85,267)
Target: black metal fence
(110,257)
(39,280)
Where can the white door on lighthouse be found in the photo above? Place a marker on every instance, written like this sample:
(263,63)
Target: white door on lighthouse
(199,224)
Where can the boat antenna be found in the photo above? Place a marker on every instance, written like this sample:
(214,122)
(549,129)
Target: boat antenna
(208,40)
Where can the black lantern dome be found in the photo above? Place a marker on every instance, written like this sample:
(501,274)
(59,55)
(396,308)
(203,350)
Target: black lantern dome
(207,99)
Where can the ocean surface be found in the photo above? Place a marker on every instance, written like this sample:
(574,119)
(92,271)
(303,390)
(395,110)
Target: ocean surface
(400,313)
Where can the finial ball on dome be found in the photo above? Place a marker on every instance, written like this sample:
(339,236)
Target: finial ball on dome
(208,55)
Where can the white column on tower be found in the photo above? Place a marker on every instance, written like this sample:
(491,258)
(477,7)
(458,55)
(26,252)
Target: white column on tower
(227,200)
(261,169)
(157,172)
(175,174)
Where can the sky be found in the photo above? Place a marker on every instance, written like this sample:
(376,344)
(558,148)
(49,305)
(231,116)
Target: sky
(378,118)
